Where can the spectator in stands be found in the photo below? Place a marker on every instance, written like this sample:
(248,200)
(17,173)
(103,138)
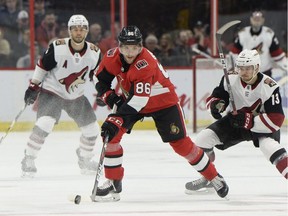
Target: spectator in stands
(167,51)
(4,51)
(200,40)
(23,23)
(95,34)
(25,61)
(62,31)
(9,14)
(151,43)
(39,12)
(183,49)
(47,30)
(109,41)
(23,47)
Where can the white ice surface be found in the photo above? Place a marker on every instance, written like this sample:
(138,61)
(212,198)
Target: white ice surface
(153,184)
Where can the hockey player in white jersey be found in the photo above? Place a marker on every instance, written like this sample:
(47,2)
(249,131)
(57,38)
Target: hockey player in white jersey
(258,119)
(59,79)
(263,39)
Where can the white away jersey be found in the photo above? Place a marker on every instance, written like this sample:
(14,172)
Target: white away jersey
(262,99)
(71,69)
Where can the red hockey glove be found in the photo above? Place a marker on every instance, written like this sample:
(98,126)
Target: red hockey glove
(31,93)
(217,106)
(241,120)
(111,126)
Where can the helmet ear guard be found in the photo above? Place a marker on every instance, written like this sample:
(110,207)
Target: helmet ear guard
(130,35)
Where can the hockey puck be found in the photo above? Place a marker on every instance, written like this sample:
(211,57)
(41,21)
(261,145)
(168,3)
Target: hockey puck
(77,199)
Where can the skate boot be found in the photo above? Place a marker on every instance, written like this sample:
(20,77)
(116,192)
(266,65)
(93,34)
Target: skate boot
(28,166)
(220,186)
(200,185)
(109,191)
(86,164)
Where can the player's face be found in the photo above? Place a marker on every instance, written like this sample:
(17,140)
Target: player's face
(246,72)
(78,33)
(130,52)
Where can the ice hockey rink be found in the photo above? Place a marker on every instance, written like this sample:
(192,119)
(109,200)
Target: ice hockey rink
(153,185)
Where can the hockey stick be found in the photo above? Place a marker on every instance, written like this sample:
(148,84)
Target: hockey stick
(199,52)
(219,34)
(78,198)
(13,122)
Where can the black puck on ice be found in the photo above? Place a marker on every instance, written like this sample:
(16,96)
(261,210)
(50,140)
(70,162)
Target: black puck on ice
(77,199)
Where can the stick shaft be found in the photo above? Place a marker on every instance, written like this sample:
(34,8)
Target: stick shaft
(13,123)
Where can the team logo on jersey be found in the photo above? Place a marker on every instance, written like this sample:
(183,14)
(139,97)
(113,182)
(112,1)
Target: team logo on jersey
(174,129)
(259,48)
(60,42)
(141,64)
(270,82)
(110,53)
(73,80)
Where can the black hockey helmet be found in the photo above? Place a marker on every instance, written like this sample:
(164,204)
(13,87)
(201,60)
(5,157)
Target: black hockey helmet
(130,35)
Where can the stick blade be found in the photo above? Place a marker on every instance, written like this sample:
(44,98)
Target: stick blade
(227,26)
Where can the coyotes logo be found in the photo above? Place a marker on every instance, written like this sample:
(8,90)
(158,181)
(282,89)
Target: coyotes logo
(73,80)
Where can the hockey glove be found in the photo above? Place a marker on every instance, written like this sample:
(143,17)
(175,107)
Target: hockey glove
(241,120)
(110,98)
(111,126)
(217,106)
(31,93)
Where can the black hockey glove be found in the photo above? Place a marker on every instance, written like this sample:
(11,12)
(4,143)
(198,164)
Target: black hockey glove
(31,93)
(111,126)
(216,107)
(110,98)
(241,120)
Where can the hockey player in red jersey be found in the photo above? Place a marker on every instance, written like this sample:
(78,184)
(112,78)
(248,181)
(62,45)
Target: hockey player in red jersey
(147,92)
(59,79)
(263,39)
(258,119)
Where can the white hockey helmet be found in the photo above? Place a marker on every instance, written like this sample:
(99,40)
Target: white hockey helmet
(78,20)
(249,58)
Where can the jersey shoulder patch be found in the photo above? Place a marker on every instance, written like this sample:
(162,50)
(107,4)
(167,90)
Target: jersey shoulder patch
(94,47)
(60,42)
(270,82)
(111,52)
(141,64)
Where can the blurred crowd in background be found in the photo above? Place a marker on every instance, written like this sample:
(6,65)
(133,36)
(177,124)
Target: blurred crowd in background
(173,47)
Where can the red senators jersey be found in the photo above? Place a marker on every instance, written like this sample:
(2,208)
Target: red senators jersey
(145,83)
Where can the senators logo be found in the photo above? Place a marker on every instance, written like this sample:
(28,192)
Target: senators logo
(111,52)
(174,129)
(141,64)
(73,80)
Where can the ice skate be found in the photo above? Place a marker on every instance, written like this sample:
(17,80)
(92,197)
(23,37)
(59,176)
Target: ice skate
(28,166)
(200,185)
(86,164)
(109,191)
(220,186)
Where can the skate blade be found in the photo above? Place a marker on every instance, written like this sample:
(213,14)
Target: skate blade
(202,191)
(111,197)
(28,175)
